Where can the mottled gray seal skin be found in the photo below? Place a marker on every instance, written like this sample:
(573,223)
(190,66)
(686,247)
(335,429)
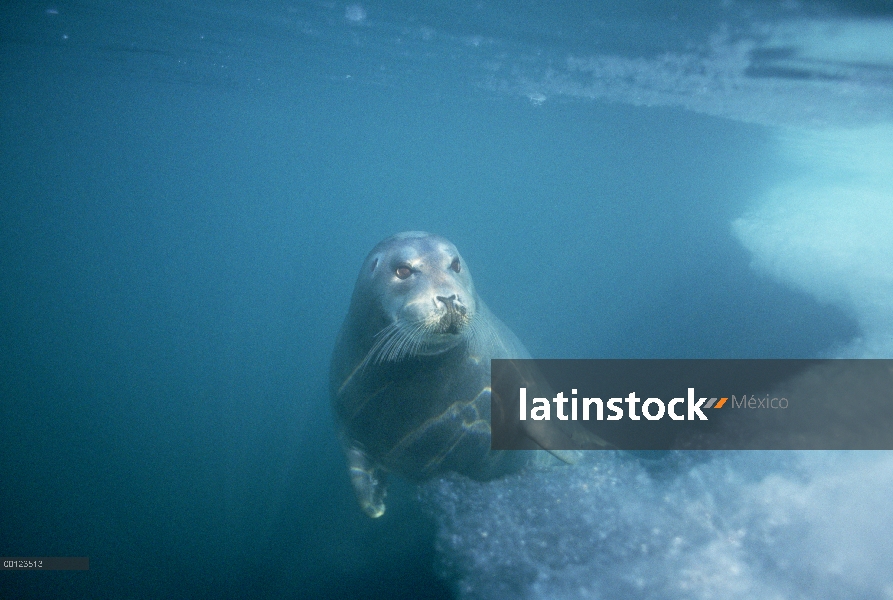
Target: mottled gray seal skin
(410,374)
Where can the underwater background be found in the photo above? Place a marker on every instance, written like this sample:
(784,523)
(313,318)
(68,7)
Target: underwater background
(187,192)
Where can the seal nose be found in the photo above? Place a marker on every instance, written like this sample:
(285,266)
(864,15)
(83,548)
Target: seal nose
(453,304)
(447,300)
(453,318)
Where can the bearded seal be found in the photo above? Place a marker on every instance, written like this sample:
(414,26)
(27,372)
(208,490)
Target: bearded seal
(410,373)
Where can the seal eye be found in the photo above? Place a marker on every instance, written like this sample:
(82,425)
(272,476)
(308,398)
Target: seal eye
(455,266)
(403,272)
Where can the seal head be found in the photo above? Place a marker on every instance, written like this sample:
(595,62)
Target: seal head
(414,297)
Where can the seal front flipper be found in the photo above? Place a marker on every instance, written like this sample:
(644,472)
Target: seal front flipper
(368,481)
(563,440)
(514,429)
(570,457)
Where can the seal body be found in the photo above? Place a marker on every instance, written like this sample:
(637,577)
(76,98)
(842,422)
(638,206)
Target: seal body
(410,373)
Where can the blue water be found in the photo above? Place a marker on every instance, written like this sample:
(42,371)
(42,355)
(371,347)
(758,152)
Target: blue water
(188,193)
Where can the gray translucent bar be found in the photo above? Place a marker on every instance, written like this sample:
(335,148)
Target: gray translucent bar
(681,404)
(45,563)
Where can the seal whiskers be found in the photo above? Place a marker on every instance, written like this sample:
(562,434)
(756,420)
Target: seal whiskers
(395,342)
